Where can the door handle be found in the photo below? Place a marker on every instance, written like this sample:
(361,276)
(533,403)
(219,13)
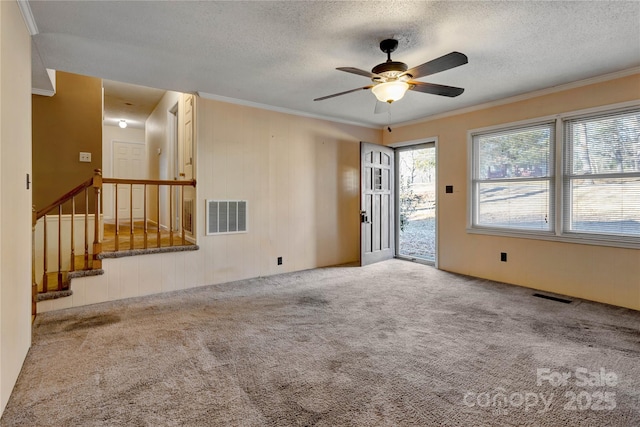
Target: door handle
(364,218)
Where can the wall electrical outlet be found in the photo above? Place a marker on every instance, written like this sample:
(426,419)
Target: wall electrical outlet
(503,256)
(279,260)
(85,157)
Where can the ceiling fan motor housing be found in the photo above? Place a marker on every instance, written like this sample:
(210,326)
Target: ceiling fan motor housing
(390,69)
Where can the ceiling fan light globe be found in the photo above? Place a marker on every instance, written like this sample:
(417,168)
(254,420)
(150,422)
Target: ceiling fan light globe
(390,91)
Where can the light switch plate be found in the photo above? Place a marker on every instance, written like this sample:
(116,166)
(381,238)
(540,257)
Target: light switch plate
(85,157)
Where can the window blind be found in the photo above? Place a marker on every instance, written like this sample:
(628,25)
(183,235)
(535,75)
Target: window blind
(513,178)
(602,174)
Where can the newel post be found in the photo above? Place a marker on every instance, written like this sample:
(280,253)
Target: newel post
(97,244)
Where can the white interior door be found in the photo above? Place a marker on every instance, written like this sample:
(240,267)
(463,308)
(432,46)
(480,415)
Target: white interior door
(376,203)
(129,161)
(174,142)
(188,163)
(188,148)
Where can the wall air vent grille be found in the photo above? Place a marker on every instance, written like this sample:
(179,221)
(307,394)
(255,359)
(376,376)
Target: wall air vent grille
(226,216)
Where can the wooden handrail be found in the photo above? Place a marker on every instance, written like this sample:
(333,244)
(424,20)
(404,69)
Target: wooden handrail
(88,183)
(189,183)
(64,198)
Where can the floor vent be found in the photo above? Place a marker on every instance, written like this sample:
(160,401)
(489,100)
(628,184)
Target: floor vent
(562,300)
(226,216)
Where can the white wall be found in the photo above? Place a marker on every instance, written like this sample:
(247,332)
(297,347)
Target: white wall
(301,178)
(15,199)
(160,152)
(157,137)
(133,277)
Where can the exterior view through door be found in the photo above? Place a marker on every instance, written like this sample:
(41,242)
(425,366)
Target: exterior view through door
(416,231)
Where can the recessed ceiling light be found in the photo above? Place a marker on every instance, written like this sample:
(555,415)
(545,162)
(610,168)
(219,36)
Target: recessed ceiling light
(122,123)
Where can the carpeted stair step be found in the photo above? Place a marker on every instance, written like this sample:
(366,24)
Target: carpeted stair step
(53,295)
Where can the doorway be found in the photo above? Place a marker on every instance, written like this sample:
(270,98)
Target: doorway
(416,237)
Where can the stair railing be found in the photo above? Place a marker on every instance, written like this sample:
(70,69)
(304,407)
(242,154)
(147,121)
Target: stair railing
(55,208)
(173,188)
(95,185)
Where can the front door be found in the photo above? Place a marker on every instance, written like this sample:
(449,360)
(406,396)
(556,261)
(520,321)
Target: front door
(376,203)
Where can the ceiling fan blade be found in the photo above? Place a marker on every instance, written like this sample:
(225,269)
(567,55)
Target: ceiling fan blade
(446,62)
(357,71)
(435,89)
(381,107)
(343,93)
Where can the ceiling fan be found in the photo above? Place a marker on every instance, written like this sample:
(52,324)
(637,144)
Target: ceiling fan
(392,79)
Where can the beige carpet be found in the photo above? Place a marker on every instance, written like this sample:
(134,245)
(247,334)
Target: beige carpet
(394,343)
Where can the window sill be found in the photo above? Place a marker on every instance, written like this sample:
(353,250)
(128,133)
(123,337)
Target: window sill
(628,243)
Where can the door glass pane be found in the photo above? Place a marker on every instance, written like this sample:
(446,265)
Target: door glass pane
(377,173)
(417,203)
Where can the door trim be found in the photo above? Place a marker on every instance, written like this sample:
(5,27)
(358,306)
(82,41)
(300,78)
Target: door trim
(398,146)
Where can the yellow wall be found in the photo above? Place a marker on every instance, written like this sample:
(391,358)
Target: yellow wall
(598,273)
(300,177)
(64,125)
(15,199)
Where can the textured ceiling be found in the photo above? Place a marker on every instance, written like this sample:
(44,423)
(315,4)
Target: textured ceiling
(133,103)
(284,54)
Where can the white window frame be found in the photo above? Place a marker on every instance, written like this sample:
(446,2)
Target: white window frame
(559,210)
(472,173)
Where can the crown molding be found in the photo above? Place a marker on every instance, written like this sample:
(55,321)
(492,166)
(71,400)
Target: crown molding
(281,110)
(27,15)
(525,96)
(485,105)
